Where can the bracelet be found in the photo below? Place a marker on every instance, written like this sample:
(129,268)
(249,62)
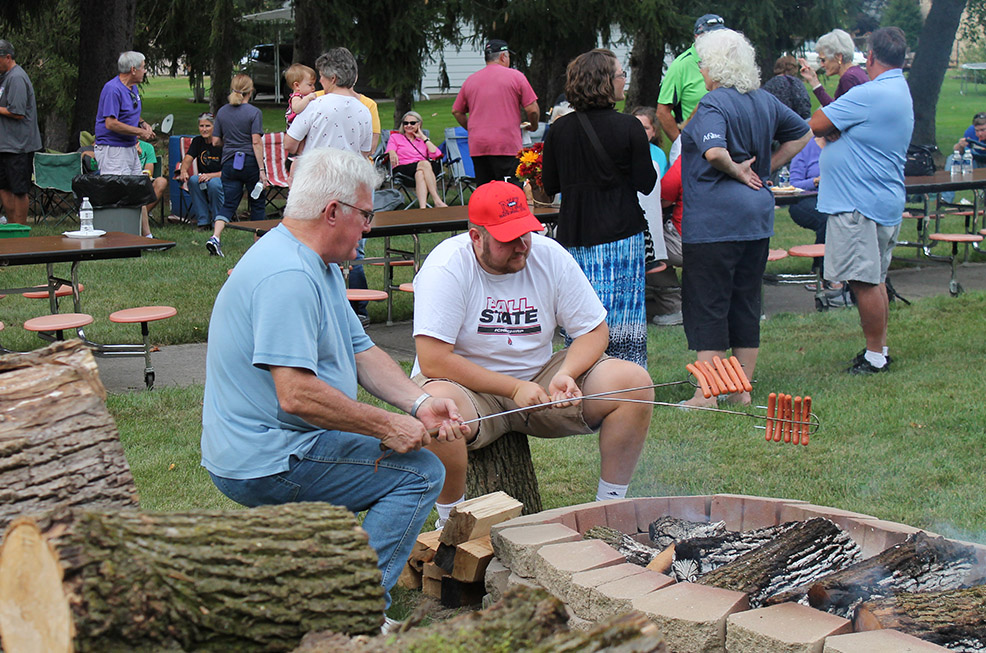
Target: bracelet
(417,403)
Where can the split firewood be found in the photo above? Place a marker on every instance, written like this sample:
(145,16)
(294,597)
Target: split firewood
(667,530)
(474,517)
(954,619)
(700,555)
(524,620)
(802,553)
(922,563)
(634,551)
(424,549)
(249,580)
(58,443)
(471,560)
(662,561)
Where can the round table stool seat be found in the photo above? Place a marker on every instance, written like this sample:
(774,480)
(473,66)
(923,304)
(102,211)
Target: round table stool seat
(63,290)
(58,322)
(808,251)
(406,287)
(142,314)
(776,254)
(396,263)
(365,295)
(956,238)
(660,267)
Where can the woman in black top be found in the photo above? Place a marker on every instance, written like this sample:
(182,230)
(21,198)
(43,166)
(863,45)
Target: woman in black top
(206,186)
(601,222)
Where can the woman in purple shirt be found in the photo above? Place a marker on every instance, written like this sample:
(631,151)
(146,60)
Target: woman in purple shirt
(805,175)
(835,52)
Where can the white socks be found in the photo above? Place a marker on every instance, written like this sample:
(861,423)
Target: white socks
(444,509)
(610,491)
(875,359)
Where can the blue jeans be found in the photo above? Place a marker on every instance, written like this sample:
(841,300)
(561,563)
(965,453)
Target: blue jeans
(206,203)
(339,469)
(357,277)
(234,181)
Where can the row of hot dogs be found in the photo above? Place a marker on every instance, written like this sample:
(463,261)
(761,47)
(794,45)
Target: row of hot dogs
(720,376)
(788,420)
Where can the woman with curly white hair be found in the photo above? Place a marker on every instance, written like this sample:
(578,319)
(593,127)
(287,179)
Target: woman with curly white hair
(728,213)
(835,52)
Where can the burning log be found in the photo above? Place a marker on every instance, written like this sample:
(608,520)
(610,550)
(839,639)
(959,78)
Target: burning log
(250,580)
(955,619)
(799,554)
(58,443)
(919,564)
(524,620)
(700,555)
(634,551)
(668,530)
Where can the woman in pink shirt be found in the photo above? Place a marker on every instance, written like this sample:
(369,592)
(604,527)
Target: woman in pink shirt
(413,155)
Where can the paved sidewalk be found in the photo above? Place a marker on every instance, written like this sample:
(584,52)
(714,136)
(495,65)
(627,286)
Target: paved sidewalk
(182,365)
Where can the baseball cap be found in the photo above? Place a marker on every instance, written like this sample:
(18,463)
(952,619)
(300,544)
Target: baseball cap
(501,208)
(494,46)
(709,23)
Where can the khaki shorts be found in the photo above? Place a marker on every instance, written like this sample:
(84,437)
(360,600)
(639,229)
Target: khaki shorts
(547,423)
(857,248)
(117,160)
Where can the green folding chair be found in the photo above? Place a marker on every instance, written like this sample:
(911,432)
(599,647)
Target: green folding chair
(53,175)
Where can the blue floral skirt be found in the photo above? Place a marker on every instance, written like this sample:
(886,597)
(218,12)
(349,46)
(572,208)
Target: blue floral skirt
(616,272)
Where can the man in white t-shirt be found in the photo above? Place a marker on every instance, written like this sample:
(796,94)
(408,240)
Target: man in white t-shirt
(486,306)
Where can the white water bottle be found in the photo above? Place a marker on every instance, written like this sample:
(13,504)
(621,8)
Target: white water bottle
(85,216)
(967,162)
(784,177)
(257,190)
(956,167)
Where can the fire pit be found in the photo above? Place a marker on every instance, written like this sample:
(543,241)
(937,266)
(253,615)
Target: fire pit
(762,603)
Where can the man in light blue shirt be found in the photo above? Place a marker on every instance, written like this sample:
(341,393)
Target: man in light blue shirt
(280,419)
(862,186)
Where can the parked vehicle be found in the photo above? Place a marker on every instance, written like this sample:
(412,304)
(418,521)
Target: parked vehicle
(259,65)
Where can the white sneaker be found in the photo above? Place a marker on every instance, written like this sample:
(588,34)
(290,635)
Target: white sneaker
(440,524)
(390,625)
(671,319)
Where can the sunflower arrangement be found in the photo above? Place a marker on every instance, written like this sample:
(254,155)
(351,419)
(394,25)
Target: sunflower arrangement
(529,168)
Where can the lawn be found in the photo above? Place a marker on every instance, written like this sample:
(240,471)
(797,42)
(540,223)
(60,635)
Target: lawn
(906,446)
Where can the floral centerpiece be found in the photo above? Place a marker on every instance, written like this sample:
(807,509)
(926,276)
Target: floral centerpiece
(529,172)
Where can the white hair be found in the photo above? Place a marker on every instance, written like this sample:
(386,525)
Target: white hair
(325,174)
(836,42)
(128,60)
(729,59)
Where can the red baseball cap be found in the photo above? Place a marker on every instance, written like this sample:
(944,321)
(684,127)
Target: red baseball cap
(501,208)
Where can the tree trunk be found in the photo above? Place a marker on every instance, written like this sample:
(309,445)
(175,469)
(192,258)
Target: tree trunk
(505,465)
(955,619)
(646,69)
(524,620)
(798,555)
(106,29)
(404,102)
(308,34)
(921,563)
(58,443)
(221,44)
(251,580)
(930,64)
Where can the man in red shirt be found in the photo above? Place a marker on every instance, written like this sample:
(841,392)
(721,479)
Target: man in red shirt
(489,106)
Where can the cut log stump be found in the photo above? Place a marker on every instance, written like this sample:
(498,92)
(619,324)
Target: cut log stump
(251,580)
(58,443)
(505,465)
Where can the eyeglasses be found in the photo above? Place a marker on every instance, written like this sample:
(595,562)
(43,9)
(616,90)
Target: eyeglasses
(409,122)
(621,75)
(367,215)
(134,98)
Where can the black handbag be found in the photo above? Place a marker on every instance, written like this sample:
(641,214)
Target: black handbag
(920,161)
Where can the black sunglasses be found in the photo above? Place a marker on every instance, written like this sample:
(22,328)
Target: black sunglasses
(134,98)
(409,122)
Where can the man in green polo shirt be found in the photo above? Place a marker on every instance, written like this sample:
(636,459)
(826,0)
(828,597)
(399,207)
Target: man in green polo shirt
(683,86)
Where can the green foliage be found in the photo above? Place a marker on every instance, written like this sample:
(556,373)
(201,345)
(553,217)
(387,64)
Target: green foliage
(905,14)
(973,31)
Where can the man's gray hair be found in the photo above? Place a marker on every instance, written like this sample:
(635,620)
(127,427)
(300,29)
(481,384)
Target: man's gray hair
(6,47)
(324,174)
(340,64)
(836,42)
(129,59)
(729,59)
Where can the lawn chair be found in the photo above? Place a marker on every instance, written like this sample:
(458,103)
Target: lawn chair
(178,191)
(458,162)
(275,163)
(53,175)
(403,183)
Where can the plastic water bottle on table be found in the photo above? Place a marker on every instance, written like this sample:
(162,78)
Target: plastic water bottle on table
(967,162)
(784,177)
(85,216)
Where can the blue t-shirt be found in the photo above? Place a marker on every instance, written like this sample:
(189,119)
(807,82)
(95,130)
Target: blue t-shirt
(716,207)
(236,125)
(281,306)
(864,169)
(978,152)
(121,102)
(658,156)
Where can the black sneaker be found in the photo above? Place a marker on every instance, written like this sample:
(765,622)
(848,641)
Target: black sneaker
(862,356)
(863,367)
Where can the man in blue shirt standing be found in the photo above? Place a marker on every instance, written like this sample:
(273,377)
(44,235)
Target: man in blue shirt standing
(118,121)
(862,186)
(280,419)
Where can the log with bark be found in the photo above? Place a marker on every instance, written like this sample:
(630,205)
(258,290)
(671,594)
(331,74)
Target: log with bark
(666,531)
(250,580)
(523,620)
(921,563)
(799,554)
(955,619)
(635,552)
(506,465)
(58,443)
(700,555)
